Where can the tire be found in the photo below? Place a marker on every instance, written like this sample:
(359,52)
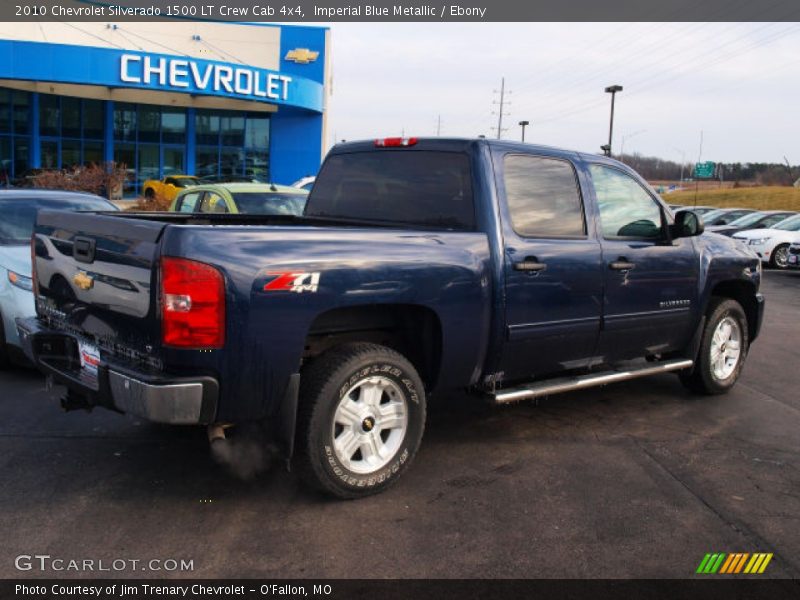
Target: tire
(708,376)
(341,447)
(149,194)
(780,257)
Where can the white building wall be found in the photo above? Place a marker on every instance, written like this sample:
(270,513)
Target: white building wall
(254,45)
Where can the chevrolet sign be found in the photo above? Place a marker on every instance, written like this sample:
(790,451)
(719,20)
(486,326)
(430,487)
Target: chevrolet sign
(301,56)
(187,73)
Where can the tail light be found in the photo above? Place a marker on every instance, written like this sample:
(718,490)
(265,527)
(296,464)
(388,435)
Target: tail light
(395,142)
(193,304)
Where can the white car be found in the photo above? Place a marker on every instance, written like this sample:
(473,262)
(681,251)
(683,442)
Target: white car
(772,245)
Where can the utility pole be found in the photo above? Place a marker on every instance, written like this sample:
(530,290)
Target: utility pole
(502,104)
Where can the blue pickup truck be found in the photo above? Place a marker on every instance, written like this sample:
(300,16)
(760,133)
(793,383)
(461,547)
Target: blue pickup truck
(420,265)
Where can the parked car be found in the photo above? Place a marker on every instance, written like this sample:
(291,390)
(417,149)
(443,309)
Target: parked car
(251,198)
(701,210)
(772,245)
(764,219)
(418,266)
(17,216)
(232,179)
(723,216)
(304,183)
(169,186)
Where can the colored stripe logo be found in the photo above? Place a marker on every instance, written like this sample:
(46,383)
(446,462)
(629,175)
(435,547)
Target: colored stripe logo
(734,563)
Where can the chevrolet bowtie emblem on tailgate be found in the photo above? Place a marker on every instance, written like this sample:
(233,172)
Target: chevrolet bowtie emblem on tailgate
(301,56)
(83,280)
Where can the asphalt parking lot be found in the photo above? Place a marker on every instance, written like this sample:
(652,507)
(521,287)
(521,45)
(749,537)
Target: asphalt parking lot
(639,479)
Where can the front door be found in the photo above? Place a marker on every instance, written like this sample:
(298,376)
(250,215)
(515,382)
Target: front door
(650,279)
(553,269)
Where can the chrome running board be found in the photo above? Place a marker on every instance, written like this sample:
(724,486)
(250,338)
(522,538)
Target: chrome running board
(568,384)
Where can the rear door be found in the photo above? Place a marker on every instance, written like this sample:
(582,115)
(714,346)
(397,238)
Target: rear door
(553,269)
(650,279)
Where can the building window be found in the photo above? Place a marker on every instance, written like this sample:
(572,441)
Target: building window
(71,130)
(14,134)
(232,145)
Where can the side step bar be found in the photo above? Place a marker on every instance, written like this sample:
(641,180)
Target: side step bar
(568,384)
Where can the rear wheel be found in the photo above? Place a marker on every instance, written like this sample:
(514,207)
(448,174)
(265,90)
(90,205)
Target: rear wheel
(780,257)
(149,194)
(361,419)
(723,349)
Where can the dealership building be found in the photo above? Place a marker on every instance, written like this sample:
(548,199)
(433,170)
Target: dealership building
(201,98)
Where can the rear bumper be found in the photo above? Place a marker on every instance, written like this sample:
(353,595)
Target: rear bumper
(155,397)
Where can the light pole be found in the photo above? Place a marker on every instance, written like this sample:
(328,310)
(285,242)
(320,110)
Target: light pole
(524,124)
(626,137)
(683,159)
(612,89)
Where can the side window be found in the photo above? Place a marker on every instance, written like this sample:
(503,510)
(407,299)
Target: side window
(543,197)
(213,203)
(626,209)
(170,181)
(188,203)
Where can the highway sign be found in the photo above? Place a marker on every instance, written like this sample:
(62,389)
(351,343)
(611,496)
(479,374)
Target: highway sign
(704,170)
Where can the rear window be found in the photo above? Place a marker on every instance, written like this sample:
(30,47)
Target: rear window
(409,187)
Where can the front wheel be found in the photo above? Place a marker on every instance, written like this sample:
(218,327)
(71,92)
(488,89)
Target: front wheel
(780,257)
(723,349)
(361,419)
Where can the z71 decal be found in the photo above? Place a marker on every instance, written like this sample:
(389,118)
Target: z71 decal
(293,282)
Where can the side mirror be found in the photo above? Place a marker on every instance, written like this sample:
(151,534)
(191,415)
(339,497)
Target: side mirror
(687,224)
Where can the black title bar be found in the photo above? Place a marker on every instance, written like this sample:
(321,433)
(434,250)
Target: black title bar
(324,11)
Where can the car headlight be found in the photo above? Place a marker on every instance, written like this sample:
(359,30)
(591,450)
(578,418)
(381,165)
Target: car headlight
(759,241)
(20,281)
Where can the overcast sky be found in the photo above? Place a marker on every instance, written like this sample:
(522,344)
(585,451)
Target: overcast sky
(738,82)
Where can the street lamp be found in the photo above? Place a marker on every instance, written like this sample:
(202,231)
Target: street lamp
(612,89)
(524,124)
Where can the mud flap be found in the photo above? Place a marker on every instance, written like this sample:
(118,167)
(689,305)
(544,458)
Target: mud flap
(694,345)
(286,421)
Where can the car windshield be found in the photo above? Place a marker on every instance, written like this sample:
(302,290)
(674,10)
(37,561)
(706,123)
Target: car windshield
(746,220)
(183,182)
(790,224)
(724,217)
(19,214)
(270,203)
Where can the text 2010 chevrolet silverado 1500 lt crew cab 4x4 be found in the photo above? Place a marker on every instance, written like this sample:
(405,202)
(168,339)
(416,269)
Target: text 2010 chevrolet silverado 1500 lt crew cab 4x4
(510,270)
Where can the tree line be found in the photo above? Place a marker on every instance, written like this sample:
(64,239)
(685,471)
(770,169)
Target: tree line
(654,168)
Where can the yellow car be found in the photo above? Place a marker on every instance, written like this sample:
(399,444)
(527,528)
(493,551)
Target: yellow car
(168,187)
(247,198)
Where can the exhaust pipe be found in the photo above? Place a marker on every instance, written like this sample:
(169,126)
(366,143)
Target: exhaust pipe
(216,432)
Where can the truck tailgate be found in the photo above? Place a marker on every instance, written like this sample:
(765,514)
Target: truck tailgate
(97,276)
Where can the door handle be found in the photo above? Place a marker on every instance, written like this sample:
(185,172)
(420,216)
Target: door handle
(530,264)
(621,264)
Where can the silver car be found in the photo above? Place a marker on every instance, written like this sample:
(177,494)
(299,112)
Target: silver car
(17,217)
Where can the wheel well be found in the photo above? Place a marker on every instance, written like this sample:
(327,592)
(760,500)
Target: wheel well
(745,294)
(414,331)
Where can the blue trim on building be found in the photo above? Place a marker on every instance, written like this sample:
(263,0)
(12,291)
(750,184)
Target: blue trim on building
(191,142)
(35,150)
(108,132)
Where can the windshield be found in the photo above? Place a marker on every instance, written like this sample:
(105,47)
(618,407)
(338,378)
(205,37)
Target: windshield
(270,203)
(183,182)
(18,215)
(748,220)
(790,224)
(724,217)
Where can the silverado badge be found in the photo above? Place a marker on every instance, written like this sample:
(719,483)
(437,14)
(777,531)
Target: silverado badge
(83,280)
